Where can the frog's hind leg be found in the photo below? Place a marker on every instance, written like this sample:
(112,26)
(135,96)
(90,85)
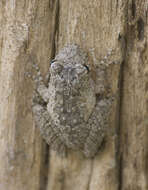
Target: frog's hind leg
(97,125)
(43,122)
(40,86)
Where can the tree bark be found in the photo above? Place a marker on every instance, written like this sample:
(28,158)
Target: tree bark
(34,31)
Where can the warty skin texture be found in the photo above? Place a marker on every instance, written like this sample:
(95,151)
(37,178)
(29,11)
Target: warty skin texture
(67,111)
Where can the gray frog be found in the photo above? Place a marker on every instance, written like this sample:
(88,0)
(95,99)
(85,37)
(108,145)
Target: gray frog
(67,110)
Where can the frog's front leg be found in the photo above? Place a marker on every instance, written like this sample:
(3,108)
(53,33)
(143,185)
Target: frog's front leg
(43,91)
(41,88)
(97,124)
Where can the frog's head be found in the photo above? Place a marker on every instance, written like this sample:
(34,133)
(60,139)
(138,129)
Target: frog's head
(70,68)
(70,75)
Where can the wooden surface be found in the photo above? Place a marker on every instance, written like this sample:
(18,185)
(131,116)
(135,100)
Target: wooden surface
(35,31)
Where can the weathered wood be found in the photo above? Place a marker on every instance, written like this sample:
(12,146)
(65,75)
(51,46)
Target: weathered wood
(134,113)
(35,31)
(26,30)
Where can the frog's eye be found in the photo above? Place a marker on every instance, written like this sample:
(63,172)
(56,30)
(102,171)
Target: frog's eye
(52,61)
(87,68)
(56,67)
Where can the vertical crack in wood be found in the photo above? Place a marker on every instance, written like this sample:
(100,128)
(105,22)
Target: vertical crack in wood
(120,173)
(140,28)
(44,170)
(56,29)
(133,9)
(119,155)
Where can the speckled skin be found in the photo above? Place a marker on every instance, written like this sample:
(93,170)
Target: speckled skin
(67,110)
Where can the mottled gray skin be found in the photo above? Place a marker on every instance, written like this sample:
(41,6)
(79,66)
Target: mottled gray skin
(66,110)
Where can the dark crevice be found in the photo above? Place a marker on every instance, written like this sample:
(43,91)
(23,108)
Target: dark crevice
(44,166)
(133,9)
(140,28)
(117,2)
(123,43)
(120,174)
(119,153)
(56,29)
